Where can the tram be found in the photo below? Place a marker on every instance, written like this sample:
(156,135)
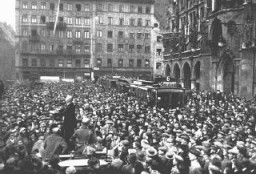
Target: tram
(164,94)
(161,95)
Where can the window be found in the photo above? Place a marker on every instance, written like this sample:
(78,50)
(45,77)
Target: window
(52,6)
(42,62)
(158,65)
(121,21)
(99,62)
(131,63)
(120,34)
(99,47)
(25,5)
(34,5)
(132,35)
(86,63)
(78,63)
(87,48)
(110,34)
(51,48)
(61,19)
(132,8)
(42,47)
(140,9)
(42,19)
(69,34)
(147,49)
(59,50)
(87,34)
(158,38)
(120,47)
(139,48)
(78,21)
(33,32)
(78,7)
(42,33)
(121,8)
(61,63)
(25,62)
(139,35)
(110,21)
(87,21)
(86,7)
(61,7)
(120,63)
(52,63)
(131,48)
(60,34)
(148,9)
(70,7)
(99,33)
(34,62)
(147,35)
(99,7)
(78,34)
(25,18)
(110,48)
(43,5)
(158,52)
(69,49)
(78,49)
(132,22)
(69,20)
(110,7)
(139,22)
(100,20)
(147,63)
(24,45)
(69,63)
(147,23)
(25,32)
(109,62)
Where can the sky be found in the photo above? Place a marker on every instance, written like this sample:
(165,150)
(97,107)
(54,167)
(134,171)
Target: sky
(7,12)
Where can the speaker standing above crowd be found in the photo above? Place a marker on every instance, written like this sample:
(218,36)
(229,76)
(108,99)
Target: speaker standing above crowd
(212,133)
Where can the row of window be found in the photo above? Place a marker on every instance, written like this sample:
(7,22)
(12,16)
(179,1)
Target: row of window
(53,63)
(86,48)
(120,63)
(78,63)
(87,7)
(84,34)
(86,21)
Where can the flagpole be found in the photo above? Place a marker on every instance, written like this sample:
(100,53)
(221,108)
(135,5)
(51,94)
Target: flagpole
(57,17)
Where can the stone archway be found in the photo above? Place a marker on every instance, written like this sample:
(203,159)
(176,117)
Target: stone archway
(187,76)
(176,73)
(167,70)
(197,74)
(228,75)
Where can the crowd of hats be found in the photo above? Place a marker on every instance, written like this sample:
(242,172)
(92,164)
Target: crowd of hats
(214,128)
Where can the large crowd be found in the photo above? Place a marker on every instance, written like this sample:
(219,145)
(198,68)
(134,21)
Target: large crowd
(213,133)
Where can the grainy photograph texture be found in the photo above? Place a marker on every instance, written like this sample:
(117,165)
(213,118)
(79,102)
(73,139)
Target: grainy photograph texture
(127,87)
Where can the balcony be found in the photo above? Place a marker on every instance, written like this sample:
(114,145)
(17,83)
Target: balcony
(60,26)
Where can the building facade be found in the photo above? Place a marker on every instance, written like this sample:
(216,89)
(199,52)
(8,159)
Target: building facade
(75,39)
(210,45)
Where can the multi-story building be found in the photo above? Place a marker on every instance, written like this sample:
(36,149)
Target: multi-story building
(74,38)
(210,45)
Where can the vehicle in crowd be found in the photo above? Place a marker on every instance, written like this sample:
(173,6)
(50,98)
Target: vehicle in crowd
(161,93)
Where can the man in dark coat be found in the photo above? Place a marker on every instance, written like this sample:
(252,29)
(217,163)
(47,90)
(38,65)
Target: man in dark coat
(69,123)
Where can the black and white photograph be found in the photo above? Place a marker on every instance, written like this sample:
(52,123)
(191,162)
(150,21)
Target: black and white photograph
(128,87)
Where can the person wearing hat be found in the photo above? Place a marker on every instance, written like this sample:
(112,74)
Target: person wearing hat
(83,136)
(69,122)
(54,144)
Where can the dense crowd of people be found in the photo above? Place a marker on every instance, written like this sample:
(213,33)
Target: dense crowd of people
(213,133)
